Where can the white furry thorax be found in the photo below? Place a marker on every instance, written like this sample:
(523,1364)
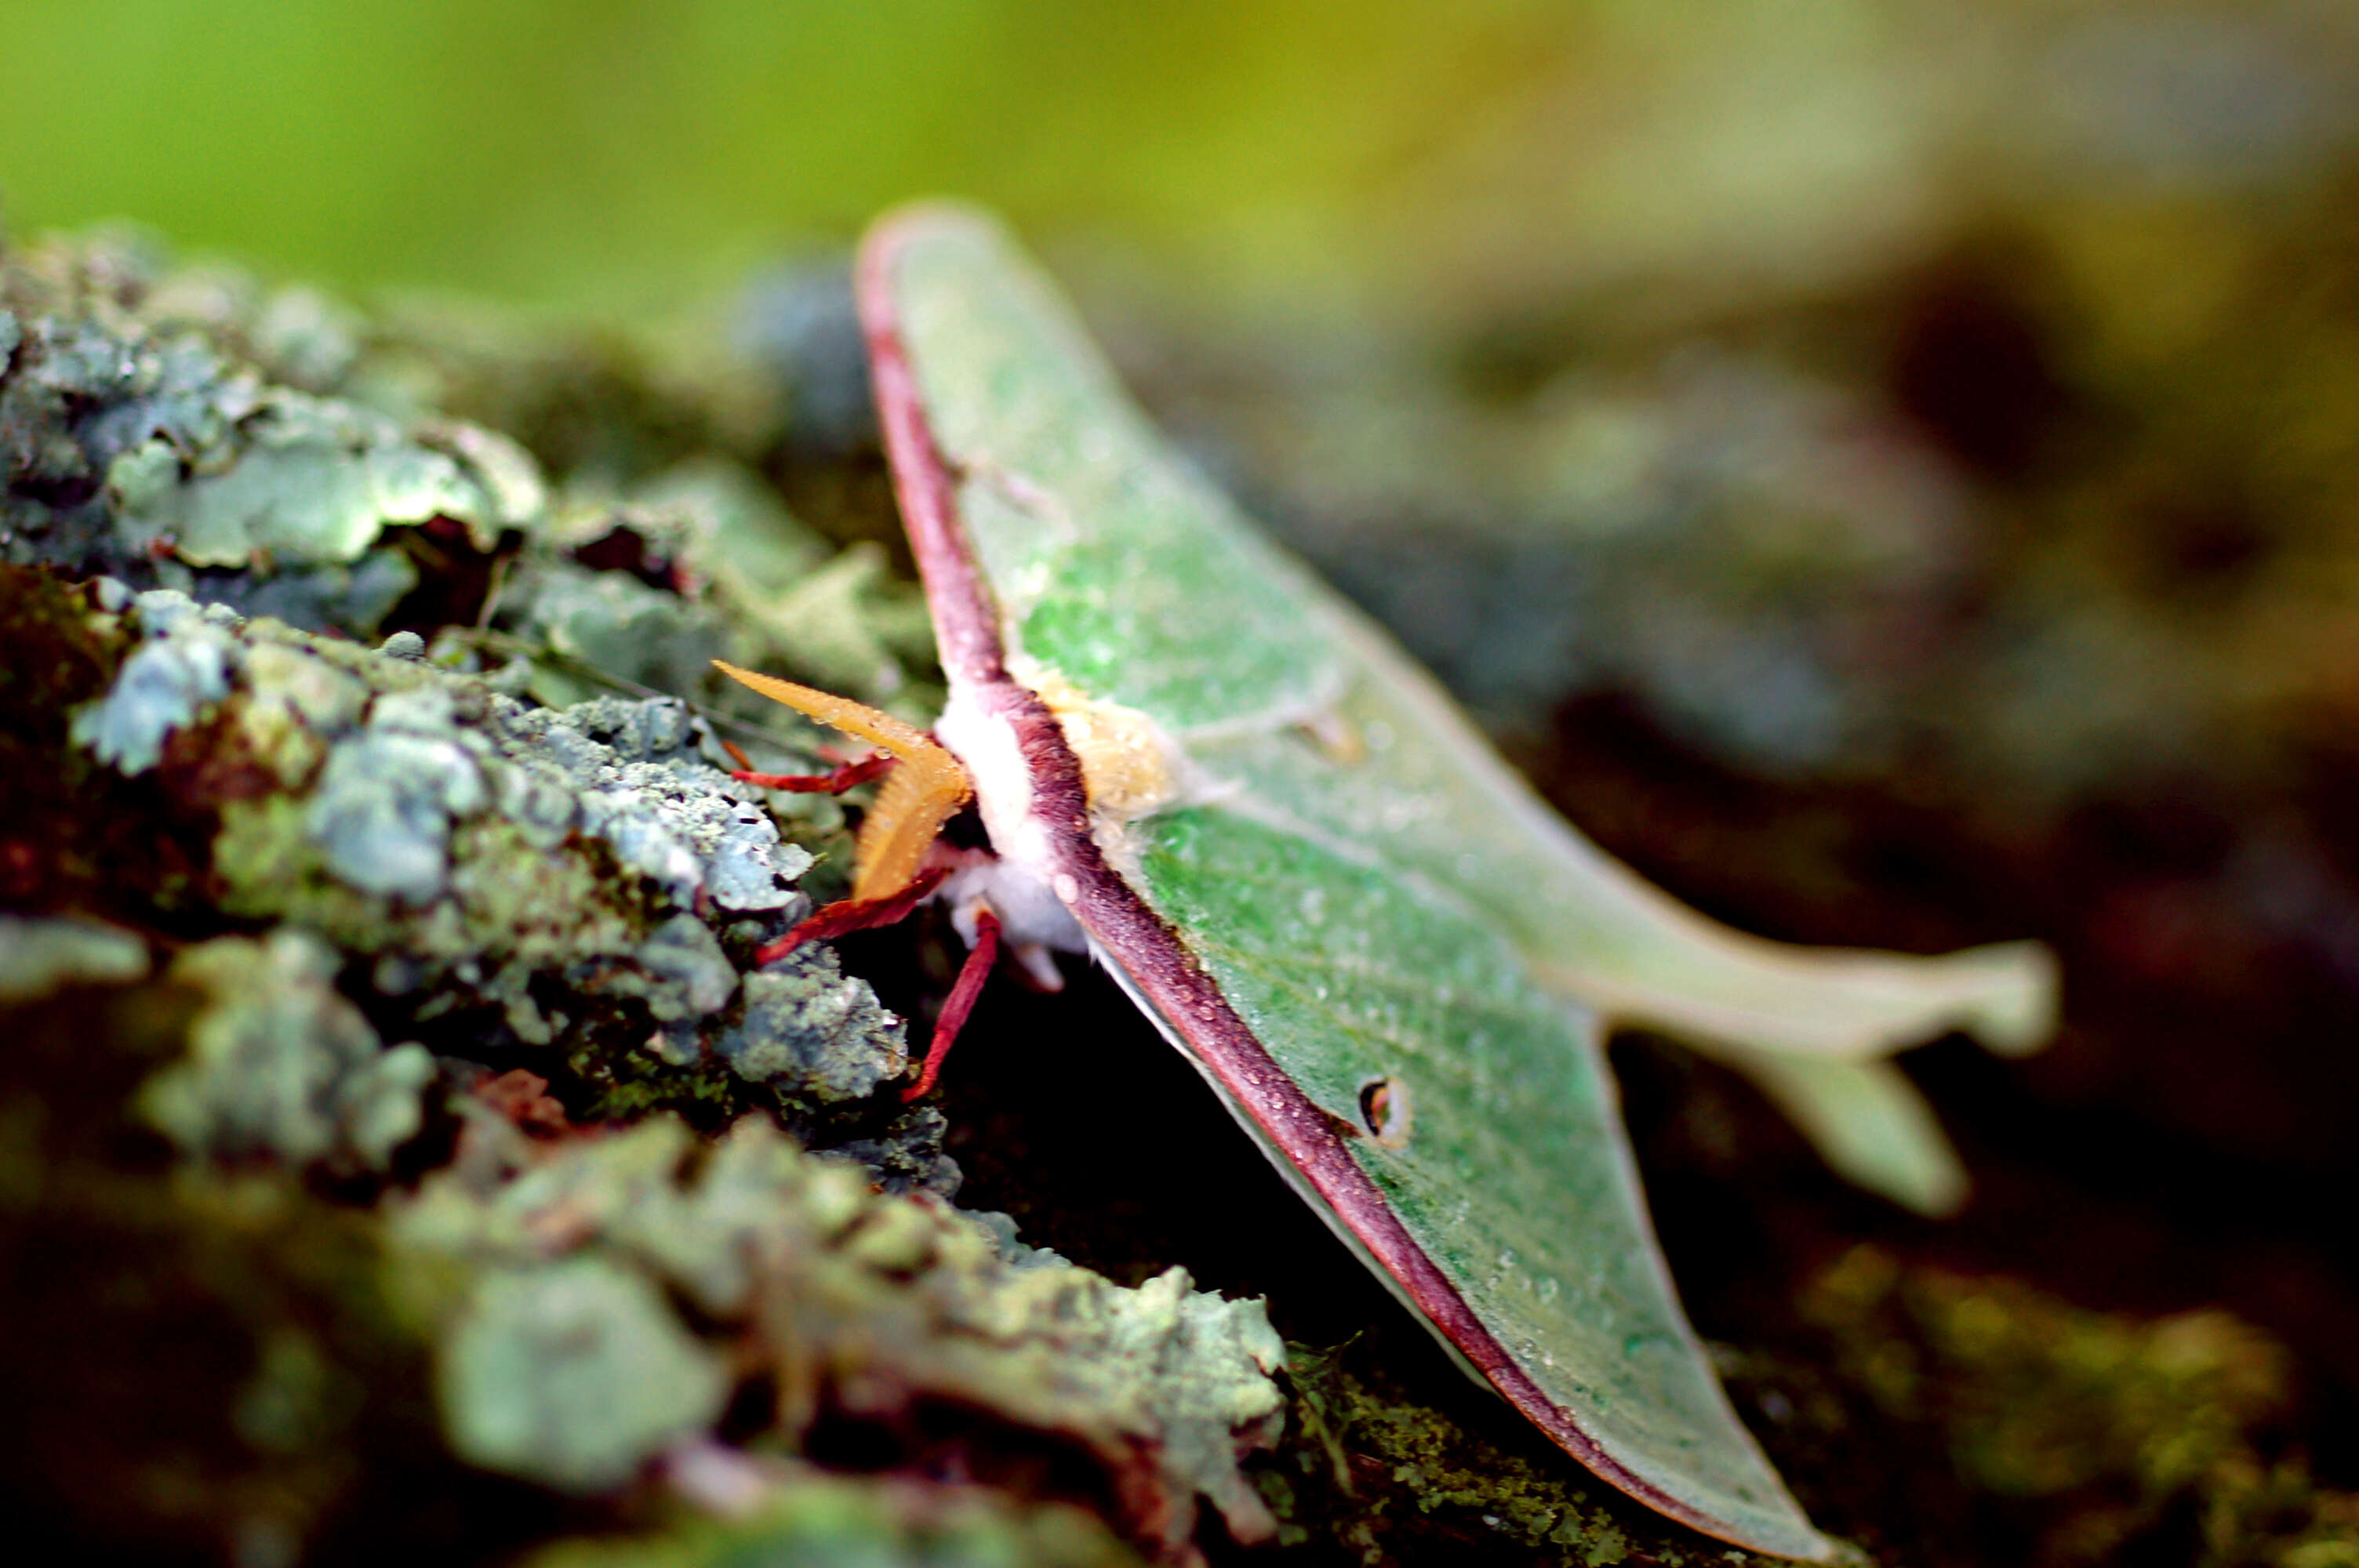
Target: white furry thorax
(1129,769)
(1020,882)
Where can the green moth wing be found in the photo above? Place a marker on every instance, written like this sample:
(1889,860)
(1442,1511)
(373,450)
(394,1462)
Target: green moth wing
(1389,958)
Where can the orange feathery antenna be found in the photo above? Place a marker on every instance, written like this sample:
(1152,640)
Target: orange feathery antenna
(924,785)
(925,788)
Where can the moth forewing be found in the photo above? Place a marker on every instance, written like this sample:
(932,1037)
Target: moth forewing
(1347,890)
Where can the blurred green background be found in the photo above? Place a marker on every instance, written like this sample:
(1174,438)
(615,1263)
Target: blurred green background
(594,154)
(574,151)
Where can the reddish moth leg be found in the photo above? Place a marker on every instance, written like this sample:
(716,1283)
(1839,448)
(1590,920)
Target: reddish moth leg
(836,783)
(924,786)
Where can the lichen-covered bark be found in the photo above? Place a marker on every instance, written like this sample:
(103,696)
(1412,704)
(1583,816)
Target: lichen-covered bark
(326,923)
(399,1154)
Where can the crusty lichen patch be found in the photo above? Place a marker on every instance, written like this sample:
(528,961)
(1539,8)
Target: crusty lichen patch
(574,1373)
(39,956)
(145,435)
(565,866)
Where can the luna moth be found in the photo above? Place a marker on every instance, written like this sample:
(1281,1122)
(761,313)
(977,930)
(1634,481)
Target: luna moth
(1197,763)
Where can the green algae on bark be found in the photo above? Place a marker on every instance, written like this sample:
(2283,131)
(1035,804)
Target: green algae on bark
(2075,1436)
(1390,1479)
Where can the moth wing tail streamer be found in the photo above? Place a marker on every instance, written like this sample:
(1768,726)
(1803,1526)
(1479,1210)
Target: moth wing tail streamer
(1869,1123)
(1718,987)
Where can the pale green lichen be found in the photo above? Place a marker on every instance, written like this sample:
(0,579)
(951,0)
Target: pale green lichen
(296,702)
(382,812)
(574,1373)
(175,676)
(847,626)
(716,516)
(683,975)
(756,587)
(874,1302)
(171,430)
(615,624)
(553,864)
(280,1064)
(641,782)
(41,955)
(806,1022)
(297,478)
